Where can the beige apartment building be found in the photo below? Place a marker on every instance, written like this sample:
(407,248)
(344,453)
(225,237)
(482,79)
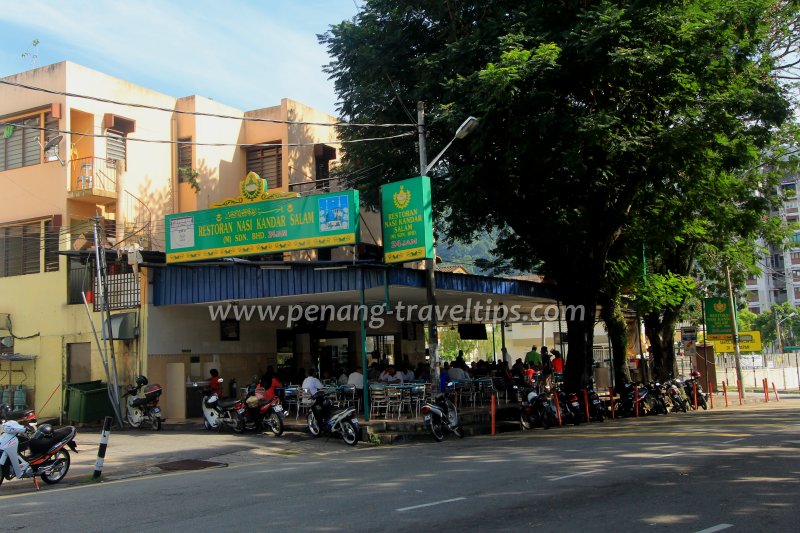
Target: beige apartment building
(76,144)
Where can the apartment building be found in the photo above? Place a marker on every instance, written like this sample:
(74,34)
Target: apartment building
(78,145)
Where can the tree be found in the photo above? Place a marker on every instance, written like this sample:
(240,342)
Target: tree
(590,112)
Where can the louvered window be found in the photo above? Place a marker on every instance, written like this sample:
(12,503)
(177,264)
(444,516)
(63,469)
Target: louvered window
(19,143)
(21,247)
(115,146)
(267,163)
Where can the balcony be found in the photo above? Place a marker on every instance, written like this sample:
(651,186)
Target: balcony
(93,180)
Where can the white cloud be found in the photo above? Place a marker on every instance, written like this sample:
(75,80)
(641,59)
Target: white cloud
(245,54)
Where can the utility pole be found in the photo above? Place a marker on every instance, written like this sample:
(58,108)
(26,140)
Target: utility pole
(736,353)
(430,264)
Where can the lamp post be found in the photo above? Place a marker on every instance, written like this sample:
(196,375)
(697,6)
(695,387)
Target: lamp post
(778,329)
(430,264)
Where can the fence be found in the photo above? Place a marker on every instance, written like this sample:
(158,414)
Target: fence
(781,369)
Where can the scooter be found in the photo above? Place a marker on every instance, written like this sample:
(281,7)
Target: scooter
(259,413)
(442,414)
(597,411)
(42,455)
(537,409)
(323,418)
(677,396)
(218,413)
(142,409)
(688,387)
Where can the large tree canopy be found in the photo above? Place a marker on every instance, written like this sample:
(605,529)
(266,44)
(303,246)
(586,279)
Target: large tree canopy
(590,112)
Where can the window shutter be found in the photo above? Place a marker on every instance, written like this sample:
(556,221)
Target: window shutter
(115,145)
(14,149)
(30,145)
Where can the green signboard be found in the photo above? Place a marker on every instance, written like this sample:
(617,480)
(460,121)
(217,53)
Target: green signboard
(718,316)
(407,220)
(270,226)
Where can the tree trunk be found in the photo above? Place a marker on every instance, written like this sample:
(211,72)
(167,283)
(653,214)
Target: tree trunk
(617,329)
(660,331)
(580,337)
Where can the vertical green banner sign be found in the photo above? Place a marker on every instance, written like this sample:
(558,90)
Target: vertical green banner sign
(407,220)
(718,316)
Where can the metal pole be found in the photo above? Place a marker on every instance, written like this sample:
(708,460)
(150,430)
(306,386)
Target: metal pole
(705,342)
(736,353)
(430,264)
(363,326)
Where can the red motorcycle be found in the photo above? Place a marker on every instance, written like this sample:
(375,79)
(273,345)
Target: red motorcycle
(262,414)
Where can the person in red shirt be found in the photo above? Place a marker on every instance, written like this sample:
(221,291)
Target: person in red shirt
(529,372)
(558,366)
(215,384)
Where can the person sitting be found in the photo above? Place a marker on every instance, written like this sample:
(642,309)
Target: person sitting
(457,373)
(356,379)
(408,375)
(343,377)
(391,375)
(215,384)
(311,382)
(529,373)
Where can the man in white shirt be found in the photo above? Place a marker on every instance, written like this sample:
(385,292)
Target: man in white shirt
(456,372)
(356,379)
(311,382)
(392,376)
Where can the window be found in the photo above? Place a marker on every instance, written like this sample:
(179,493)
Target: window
(21,247)
(115,146)
(267,163)
(19,143)
(184,158)
(323,155)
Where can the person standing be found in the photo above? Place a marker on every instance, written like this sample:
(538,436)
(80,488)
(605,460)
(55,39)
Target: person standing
(534,358)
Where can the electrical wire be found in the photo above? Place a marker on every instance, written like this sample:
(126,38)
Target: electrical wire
(200,113)
(191,143)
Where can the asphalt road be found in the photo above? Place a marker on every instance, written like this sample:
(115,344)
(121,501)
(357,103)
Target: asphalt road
(736,470)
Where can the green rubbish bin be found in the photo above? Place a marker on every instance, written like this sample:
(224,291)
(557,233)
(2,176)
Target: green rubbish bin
(88,402)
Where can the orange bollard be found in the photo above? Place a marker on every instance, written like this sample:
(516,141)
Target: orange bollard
(494,412)
(558,409)
(694,392)
(586,403)
(611,395)
(710,393)
(766,390)
(739,388)
(775,390)
(725,393)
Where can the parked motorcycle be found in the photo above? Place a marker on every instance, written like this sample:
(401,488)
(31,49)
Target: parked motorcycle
(659,399)
(261,414)
(677,396)
(441,415)
(537,409)
(597,411)
(26,417)
(688,387)
(144,408)
(218,413)
(43,454)
(323,417)
(626,406)
(570,407)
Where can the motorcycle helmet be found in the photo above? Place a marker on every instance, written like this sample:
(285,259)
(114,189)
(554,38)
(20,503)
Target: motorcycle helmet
(45,430)
(695,374)
(141,381)
(5,409)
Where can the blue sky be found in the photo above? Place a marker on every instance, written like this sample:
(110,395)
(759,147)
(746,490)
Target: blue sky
(247,54)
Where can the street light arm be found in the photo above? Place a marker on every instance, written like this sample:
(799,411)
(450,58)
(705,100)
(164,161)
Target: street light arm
(438,156)
(466,127)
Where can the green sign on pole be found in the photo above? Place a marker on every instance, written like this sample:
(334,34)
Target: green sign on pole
(270,226)
(718,316)
(407,220)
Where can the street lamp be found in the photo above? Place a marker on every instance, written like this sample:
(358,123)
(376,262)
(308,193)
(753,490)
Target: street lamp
(467,127)
(778,329)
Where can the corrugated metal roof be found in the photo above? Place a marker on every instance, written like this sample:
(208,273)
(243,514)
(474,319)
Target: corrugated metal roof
(176,284)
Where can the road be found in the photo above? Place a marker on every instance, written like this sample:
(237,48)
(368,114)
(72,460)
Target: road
(736,469)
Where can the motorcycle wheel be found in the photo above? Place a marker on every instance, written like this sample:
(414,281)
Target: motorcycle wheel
(313,424)
(155,422)
(62,456)
(275,423)
(132,423)
(599,415)
(525,422)
(436,429)
(703,403)
(349,433)
(207,425)
(459,431)
(238,426)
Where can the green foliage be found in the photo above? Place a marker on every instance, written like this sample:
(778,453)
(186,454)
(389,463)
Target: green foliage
(660,291)
(189,175)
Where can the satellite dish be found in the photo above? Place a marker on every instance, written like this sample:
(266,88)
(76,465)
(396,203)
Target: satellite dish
(7,342)
(53,142)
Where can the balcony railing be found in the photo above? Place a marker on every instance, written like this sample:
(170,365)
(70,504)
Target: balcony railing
(93,174)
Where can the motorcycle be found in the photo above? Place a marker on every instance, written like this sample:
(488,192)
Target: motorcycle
(322,417)
(442,414)
(261,414)
(677,396)
(218,413)
(26,417)
(43,454)
(688,387)
(597,411)
(570,407)
(626,406)
(144,409)
(537,409)
(659,399)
